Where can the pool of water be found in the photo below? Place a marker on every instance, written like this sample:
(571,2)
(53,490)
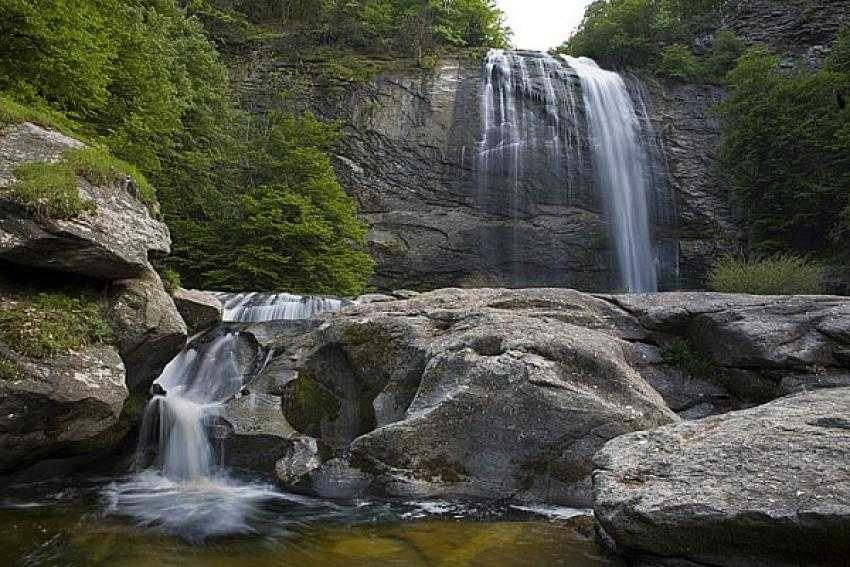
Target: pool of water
(49,525)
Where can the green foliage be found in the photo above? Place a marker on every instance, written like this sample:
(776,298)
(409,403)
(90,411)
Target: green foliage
(780,274)
(655,34)
(49,190)
(41,325)
(170,280)
(9,369)
(297,228)
(787,150)
(142,80)
(725,51)
(839,57)
(412,28)
(677,62)
(683,356)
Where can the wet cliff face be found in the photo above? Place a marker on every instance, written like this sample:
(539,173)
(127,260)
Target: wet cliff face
(412,158)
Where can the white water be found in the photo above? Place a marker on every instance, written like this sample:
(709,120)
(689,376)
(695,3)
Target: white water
(261,307)
(622,168)
(181,485)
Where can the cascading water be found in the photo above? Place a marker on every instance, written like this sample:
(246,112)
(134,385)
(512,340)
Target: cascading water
(622,168)
(540,119)
(181,485)
(259,307)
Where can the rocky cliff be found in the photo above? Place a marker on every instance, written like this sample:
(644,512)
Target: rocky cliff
(85,322)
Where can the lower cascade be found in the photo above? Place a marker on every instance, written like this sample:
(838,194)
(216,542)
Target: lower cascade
(181,484)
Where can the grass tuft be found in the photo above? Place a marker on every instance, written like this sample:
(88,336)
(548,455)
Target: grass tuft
(682,355)
(12,112)
(101,168)
(49,190)
(42,325)
(781,274)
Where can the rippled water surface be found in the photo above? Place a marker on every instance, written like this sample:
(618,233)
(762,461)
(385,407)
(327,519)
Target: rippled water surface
(95,525)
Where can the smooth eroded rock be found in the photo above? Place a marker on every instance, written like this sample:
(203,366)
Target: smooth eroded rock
(486,393)
(764,486)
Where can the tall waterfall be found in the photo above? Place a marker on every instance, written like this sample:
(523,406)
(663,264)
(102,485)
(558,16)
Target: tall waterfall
(622,168)
(567,135)
(181,484)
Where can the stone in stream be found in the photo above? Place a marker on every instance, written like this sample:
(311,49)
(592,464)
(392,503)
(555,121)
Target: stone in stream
(200,309)
(115,241)
(764,486)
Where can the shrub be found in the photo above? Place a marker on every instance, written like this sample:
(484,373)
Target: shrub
(781,274)
(170,280)
(49,190)
(677,62)
(41,325)
(681,355)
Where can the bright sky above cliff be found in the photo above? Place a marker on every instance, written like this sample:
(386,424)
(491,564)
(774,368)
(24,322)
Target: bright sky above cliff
(542,24)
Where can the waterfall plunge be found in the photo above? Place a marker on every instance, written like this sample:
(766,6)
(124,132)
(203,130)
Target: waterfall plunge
(621,166)
(180,486)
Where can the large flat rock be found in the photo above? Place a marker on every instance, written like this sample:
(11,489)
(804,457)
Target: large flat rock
(765,486)
(487,393)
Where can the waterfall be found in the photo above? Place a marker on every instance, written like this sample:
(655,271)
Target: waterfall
(541,117)
(622,169)
(260,307)
(524,96)
(181,484)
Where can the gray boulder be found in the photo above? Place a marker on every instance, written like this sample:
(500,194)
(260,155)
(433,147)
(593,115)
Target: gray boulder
(765,486)
(487,393)
(115,241)
(66,405)
(199,309)
(149,329)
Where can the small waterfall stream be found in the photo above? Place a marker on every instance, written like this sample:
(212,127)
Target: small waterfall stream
(181,483)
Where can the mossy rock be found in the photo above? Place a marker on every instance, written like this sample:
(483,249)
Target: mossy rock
(308,405)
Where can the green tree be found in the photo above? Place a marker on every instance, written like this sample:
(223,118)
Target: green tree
(787,148)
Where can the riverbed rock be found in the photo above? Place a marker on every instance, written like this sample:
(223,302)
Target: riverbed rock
(764,486)
(114,241)
(64,405)
(149,329)
(199,309)
(486,393)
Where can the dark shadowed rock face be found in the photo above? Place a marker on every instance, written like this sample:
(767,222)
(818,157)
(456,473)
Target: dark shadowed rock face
(115,241)
(201,310)
(64,405)
(441,217)
(798,29)
(765,486)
